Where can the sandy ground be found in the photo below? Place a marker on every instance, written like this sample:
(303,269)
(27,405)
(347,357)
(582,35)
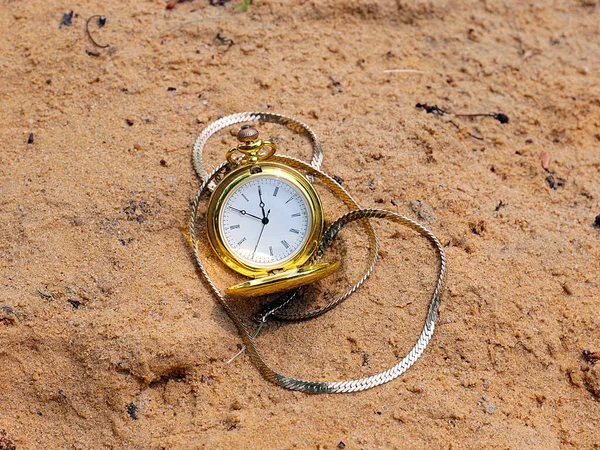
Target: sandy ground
(108,338)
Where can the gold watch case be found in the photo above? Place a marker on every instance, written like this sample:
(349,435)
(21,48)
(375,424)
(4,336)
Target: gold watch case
(252,156)
(236,178)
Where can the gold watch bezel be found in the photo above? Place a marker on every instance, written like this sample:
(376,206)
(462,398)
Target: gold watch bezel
(230,183)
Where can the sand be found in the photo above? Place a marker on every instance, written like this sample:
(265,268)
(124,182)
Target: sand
(110,340)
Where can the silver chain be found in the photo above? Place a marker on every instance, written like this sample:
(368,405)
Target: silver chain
(245,117)
(276,308)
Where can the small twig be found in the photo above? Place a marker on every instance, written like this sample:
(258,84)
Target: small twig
(185,24)
(470,134)
(434,109)
(101,22)
(502,118)
(223,40)
(479,138)
(243,348)
(403,71)
(234,357)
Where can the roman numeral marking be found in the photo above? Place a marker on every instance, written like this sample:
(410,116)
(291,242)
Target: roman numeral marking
(293,230)
(289,200)
(285,244)
(245,198)
(296,215)
(233,227)
(270,250)
(241,242)
(275,191)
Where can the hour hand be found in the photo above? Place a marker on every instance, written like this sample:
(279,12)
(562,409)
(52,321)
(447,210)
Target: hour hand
(244,213)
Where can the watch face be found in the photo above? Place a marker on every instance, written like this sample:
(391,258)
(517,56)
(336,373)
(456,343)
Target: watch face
(265,221)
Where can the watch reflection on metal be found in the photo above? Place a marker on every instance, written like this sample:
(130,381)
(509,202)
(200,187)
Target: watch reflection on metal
(265,220)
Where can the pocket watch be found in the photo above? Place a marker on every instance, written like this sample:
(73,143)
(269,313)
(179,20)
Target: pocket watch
(265,220)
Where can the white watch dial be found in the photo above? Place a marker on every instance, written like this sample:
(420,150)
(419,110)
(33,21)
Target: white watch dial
(265,221)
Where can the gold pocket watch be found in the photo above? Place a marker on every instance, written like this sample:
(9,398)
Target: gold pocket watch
(265,221)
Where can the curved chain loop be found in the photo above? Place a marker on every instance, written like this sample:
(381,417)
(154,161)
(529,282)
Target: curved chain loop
(245,117)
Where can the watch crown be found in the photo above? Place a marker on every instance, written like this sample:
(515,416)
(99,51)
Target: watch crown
(247,134)
(251,148)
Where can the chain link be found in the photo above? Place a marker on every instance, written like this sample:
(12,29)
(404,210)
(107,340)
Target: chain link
(276,308)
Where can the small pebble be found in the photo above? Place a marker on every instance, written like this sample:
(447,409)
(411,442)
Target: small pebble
(30,140)
(236,405)
(583,70)
(502,118)
(163,162)
(555,183)
(417,388)
(422,210)
(490,408)
(545,160)
(66,20)
(338,180)
(7,317)
(597,221)
(132,411)
(75,303)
